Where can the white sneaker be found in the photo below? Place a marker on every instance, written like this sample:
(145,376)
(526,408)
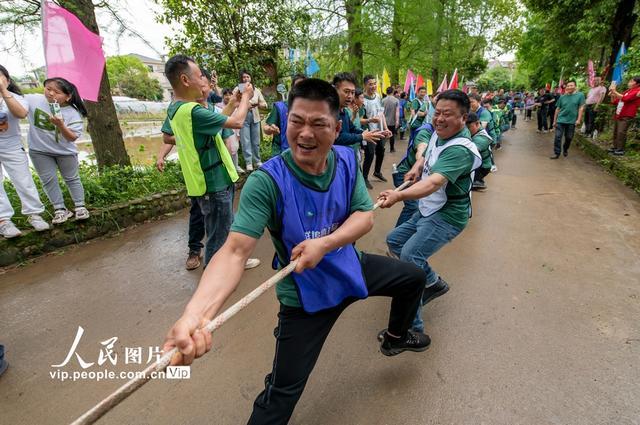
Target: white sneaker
(249,167)
(82,213)
(38,223)
(258,164)
(251,263)
(9,230)
(239,169)
(60,216)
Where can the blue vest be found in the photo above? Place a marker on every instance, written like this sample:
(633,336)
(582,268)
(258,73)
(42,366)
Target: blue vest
(306,214)
(412,138)
(283,111)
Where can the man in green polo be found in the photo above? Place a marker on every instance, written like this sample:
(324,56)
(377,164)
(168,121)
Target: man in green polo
(206,164)
(568,115)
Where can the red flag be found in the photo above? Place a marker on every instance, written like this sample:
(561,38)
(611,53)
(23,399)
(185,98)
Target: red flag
(548,86)
(72,51)
(419,82)
(443,84)
(454,80)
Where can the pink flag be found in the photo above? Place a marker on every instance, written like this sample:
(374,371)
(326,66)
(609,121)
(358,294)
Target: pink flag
(408,81)
(72,51)
(443,84)
(591,73)
(454,80)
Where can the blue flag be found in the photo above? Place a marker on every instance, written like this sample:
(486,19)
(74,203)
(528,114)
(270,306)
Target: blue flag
(620,66)
(412,92)
(312,65)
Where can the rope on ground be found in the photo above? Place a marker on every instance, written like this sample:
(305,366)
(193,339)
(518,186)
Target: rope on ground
(116,397)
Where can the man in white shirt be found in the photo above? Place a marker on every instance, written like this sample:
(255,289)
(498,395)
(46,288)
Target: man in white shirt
(594,99)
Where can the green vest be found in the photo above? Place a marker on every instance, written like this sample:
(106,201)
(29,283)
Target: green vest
(196,162)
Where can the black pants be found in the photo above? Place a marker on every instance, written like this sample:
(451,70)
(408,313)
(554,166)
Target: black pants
(369,151)
(514,118)
(480,174)
(196,227)
(542,119)
(567,130)
(392,139)
(300,336)
(551,113)
(527,114)
(590,119)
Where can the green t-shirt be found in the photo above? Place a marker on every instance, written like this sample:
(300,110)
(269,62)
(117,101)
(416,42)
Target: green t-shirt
(274,119)
(418,106)
(257,210)
(483,142)
(455,164)
(166,125)
(206,124)
(356,121)
(487,117)
(422,137)
(569,104)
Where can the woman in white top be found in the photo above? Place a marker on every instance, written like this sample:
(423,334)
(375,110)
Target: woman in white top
(250,131)
(14,160)
(55,120)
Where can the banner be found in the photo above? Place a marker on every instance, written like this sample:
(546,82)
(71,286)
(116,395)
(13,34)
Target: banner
(312,66)
(429,87)
(419,82)
(454,80)
(620,67)
(386,81)
(72,51)
(443,84)
(408,81)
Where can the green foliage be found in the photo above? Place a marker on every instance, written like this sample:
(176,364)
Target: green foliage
(229,35)
(565,35)
(131,76)
(503,78)
(108,186)
(33,90)
(633,59)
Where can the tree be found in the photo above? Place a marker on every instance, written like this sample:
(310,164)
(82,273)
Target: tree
(503,78)
(229,35)
(430,37)
(104,127)
(131,76)
(566,34)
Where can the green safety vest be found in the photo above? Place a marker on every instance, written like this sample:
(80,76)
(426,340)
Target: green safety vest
(196,162)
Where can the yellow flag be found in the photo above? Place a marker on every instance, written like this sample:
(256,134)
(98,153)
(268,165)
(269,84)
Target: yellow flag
(386,81)
(378,86)
(429,87)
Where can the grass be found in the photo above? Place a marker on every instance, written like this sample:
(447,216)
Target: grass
(107,187)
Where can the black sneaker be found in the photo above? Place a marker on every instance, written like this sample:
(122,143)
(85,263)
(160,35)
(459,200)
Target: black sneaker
(554,157)
(434,291)
(368,184)
(565,154)
(413,341)
(611,150)
(619,152)
(379,176)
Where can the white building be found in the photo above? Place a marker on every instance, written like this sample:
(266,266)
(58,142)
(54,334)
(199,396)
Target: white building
(156,70)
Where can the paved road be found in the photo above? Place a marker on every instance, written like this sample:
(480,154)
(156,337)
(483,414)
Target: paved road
(542,325)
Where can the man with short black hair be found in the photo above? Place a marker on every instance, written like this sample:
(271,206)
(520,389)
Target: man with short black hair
(207,167)
(568,115)
(313,201)
(444,205)
(483,141)
(350,135)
